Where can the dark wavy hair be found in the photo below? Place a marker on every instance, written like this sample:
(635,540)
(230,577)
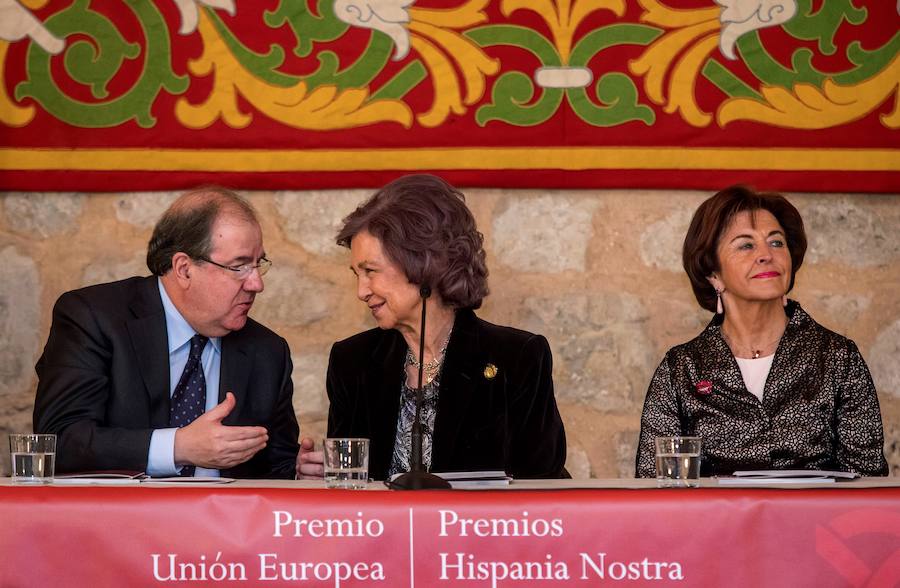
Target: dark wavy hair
(426,228)
(700,253)
(187,225)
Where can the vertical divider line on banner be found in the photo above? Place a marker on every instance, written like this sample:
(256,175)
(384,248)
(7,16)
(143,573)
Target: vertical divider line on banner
(412,565)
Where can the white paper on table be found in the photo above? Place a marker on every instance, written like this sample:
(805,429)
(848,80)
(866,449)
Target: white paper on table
(795,474)
(748,477)
(472,480)
(476,480)
(100,478)
(88,481)
(188,480)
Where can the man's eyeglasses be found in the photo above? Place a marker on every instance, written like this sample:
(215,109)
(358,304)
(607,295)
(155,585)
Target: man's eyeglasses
(242,272)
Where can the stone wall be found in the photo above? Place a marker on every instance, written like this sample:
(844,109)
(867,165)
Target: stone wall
(597,272)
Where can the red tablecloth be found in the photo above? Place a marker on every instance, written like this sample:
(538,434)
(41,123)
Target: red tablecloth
(251,536)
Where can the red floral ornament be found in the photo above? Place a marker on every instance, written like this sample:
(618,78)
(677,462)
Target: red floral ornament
(704,387)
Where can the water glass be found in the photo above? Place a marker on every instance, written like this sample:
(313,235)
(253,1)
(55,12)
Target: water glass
(678,462)
(346,463)
(33,458)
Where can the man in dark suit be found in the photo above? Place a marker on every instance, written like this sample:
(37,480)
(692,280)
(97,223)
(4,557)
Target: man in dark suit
(167,374)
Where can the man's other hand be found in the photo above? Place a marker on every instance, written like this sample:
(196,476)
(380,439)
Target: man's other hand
(207,443)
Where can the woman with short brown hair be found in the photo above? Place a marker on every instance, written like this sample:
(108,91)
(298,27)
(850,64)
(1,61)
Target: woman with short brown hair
(488,390)
(764,385)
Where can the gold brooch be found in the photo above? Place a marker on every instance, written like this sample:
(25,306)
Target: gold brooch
(490,371)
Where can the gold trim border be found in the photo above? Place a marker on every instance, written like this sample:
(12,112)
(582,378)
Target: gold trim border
(461,158)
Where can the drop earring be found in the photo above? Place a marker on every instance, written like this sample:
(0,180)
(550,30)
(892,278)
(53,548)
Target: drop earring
(784,300)
(719,308)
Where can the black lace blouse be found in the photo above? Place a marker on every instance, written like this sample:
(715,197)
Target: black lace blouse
(819,408)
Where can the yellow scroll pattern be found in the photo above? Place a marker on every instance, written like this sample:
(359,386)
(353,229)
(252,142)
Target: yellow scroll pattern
(435,36)
(11,114)
(325,108)
(692,36)
(808,107)
(563,16)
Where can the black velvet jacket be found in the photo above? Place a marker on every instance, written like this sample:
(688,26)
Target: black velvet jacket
(819,407)
(504,421)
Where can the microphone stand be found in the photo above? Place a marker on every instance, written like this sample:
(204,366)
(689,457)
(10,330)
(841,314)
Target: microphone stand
(417,478)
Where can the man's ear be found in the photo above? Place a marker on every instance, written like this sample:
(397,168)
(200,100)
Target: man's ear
(182,268)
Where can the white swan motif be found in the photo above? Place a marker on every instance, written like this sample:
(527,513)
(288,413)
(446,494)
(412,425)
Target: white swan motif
(16,23)
(387,16)
(190,12)
(739,17)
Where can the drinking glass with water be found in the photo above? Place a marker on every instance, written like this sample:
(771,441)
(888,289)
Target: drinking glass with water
(346,463)
(678,462)
(33,458)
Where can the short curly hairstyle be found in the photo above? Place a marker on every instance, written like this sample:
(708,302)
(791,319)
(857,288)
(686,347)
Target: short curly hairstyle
(426,228)
(700,253)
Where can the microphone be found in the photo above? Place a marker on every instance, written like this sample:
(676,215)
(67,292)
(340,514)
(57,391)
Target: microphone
(417,478)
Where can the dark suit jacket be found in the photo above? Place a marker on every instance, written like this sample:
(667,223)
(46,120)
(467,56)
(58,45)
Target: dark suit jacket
(509,422)
(103,382)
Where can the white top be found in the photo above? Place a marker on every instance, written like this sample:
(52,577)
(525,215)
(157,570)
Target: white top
(755,372)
